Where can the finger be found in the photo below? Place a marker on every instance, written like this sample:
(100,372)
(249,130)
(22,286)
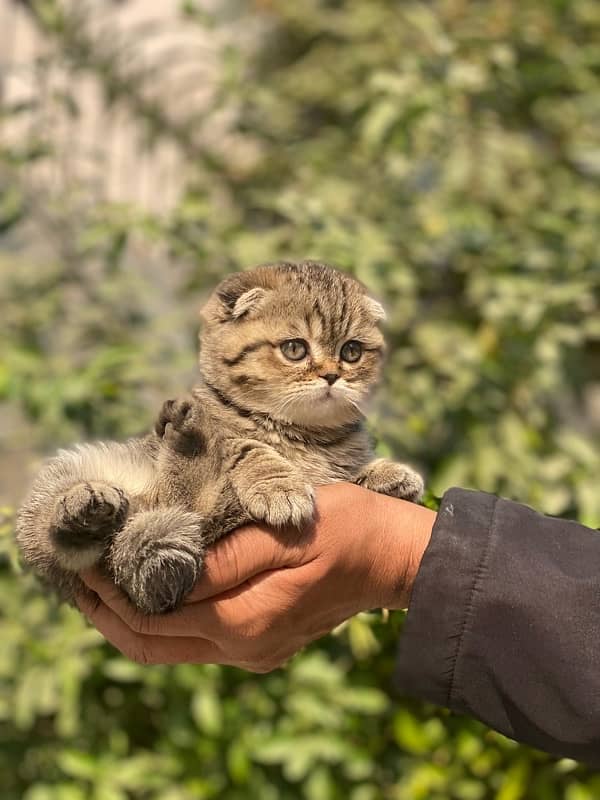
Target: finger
(147,649)
(208,620)
(115,598)
(246,553)
(104,587)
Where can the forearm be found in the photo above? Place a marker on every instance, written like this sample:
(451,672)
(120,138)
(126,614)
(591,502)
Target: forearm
(503,612)
(503,623)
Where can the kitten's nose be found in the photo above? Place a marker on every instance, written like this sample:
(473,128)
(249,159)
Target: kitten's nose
(330,377)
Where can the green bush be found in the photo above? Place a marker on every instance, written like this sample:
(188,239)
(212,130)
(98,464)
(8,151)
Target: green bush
(446,153)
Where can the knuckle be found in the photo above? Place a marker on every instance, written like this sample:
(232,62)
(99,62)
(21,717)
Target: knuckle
(140,657)
(245,645)
(143,625)
(226,561)
(252,637)
(139,653)
(88,602)
(137,622)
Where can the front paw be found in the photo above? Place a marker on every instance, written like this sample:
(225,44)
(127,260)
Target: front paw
(280,501)
(395,480)
(179,425)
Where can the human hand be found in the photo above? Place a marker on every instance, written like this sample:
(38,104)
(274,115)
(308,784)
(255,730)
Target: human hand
(265,594)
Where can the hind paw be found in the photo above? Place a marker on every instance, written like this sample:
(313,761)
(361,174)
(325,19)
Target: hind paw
(84,518)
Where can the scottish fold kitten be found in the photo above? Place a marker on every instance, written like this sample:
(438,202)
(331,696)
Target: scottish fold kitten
(289,354)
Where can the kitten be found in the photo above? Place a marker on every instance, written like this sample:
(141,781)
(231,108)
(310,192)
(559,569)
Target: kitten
(289,354)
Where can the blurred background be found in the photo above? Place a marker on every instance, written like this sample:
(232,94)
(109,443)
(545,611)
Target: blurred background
(447,153)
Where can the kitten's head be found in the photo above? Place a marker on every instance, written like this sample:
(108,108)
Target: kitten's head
(298,342)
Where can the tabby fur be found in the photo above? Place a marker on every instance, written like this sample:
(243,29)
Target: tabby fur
(257,433)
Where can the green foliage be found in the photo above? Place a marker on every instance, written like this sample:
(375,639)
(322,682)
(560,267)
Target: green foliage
(446,153)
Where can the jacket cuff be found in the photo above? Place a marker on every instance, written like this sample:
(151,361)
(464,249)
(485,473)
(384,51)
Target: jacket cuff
(443,596)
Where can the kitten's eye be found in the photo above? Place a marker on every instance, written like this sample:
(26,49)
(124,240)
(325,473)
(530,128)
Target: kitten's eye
(294,349)
(351,351)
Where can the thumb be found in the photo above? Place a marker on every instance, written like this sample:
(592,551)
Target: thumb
(247,552)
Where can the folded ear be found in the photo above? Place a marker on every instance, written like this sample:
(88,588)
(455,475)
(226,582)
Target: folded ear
(234,299)
(249,303)
(376,310)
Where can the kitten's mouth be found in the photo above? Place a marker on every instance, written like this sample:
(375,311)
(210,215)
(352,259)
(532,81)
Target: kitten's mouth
(323,406)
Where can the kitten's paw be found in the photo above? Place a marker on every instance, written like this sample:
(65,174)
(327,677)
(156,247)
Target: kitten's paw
(157,558)
(160,582)
(280,501)
(179,425)
(84,518)
(395,480)
(91,507)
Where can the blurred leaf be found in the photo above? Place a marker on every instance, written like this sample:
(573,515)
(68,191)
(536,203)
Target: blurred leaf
(444,153)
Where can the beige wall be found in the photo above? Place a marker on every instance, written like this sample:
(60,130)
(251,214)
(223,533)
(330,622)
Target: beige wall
(103,147)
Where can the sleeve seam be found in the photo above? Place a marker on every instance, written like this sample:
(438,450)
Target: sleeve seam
(479,574)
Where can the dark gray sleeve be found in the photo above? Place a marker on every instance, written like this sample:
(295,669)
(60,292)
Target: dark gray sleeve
(504,623)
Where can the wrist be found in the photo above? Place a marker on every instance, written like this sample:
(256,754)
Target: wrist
(403,531)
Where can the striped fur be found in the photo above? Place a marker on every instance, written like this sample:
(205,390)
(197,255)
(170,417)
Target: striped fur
(258,433)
